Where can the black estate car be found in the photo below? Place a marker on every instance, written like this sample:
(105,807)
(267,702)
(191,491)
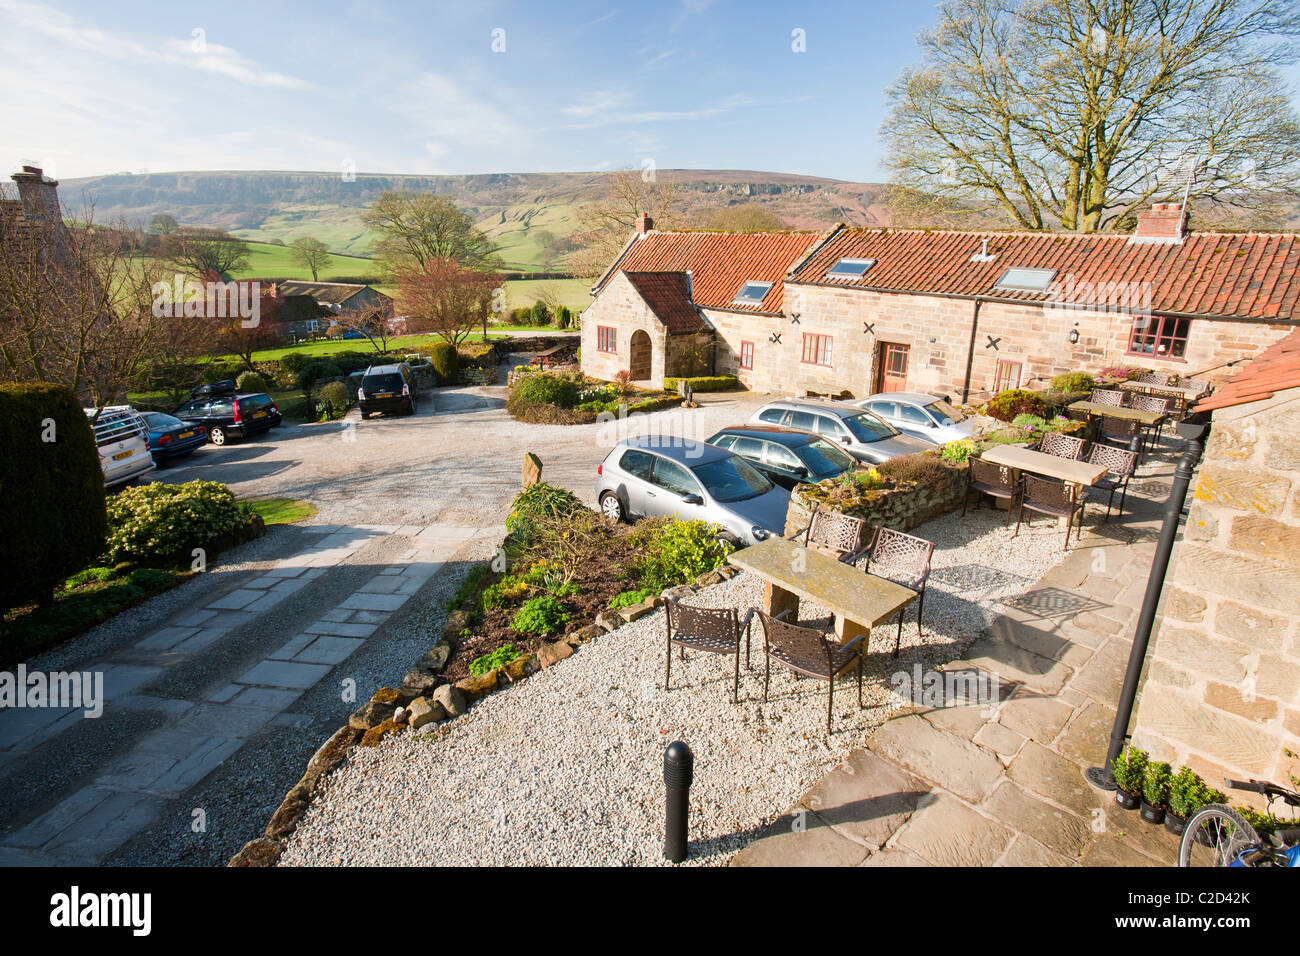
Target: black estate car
(388,388)
(229,415)
(788,456)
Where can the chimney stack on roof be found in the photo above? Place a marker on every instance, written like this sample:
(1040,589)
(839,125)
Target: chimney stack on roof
(1164,222)
(644,224)
(39,194)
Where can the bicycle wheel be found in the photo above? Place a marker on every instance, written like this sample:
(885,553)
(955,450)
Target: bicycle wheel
(1214,836)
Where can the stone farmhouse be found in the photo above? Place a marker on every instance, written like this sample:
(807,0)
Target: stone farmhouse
(855,311)
(1222,688)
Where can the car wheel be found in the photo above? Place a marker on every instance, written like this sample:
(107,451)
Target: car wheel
(218,435)
(410,408)
(611,507)
(364,415)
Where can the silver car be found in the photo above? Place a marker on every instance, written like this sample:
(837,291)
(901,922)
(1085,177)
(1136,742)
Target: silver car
(925,417)
(687,479)
(863,435)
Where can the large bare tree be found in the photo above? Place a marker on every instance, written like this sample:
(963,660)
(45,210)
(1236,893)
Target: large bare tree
(203,253)
(605,224)
(310,253)
(447,298)
(1077,113)
(418,229)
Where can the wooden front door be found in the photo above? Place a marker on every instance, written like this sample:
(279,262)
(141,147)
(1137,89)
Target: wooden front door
(640,361)
(891,367)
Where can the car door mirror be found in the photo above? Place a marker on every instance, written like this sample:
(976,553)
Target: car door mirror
(801,472)
(692,499)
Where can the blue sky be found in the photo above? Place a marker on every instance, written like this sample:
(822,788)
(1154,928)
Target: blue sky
(407,87)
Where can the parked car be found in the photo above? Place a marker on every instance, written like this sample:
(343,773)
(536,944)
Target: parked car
(785,455)
(169,437)
(926,417)
(121,436)
(687,479)
(229,415)
(388,388)
(863,435)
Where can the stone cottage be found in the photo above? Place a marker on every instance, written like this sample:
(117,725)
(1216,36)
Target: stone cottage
(1222,690)
(960,314)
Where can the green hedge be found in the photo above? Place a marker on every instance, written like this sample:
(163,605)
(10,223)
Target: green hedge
(704,383)
(445,362)
(51,492)
(163,523)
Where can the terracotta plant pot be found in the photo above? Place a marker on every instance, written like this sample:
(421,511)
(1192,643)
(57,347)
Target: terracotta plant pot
(1152,814)
(1129,801)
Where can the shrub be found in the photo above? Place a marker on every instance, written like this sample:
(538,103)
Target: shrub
(957,452)
(704,383)
(51,491)
(220,371)
(543,390)
(922,468)
(1029,421)
(1073,382)
(541,615)
(540,315)
(442,355)
(250,382)
(1016,401)
(1155,783)
(628,598)
(291,363)
(490,662)
(511,589)
(336,396)
(1184,792)
(162,521)
(1124,372)
(678,552)
(316,372)
(1129,769)
(563,317)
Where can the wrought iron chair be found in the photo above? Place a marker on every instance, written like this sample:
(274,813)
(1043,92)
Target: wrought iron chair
(1062,446)
(715,630)
(808,651)
(1050,497)
(1122,430)
(1152,378)
(1151,403)
(987,478)
(841,536)
(1120,464)
(1177,401)
(903,559)
(1108,396)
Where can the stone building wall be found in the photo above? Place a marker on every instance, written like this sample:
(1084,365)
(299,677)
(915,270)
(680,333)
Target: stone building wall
(1222,690)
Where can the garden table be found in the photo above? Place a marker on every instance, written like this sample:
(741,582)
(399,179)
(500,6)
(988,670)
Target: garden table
(1069,470)
(1097,410)
(790,571)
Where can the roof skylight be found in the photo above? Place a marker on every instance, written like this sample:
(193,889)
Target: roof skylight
(850,268)
(752,293)
(1018,279)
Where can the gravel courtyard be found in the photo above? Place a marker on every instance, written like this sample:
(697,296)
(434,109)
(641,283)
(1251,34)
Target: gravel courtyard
(566,768)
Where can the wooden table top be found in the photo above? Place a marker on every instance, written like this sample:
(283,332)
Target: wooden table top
(846,590)
(1115,411)
(1038,463)
(1188,393)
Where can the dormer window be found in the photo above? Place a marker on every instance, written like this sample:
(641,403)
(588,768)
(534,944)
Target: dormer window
(1025,280)
(850,268)
(752,293)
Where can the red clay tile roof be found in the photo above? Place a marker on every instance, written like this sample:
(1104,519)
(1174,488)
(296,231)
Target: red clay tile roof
(669,296)
(1255,275)
(720,262)
(1272,370)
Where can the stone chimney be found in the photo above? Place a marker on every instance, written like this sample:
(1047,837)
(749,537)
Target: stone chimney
(1164,222)
(644,224)
(39,194)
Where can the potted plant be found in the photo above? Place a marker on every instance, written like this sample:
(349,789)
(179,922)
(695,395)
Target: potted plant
(1155,791)
(1185,791)
(1128,769)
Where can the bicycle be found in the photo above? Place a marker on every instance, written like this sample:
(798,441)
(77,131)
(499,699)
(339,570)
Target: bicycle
(1218,835)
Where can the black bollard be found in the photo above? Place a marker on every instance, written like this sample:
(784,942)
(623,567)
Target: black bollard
(679,771)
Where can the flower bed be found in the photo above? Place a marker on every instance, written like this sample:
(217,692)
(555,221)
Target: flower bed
(569,398)
(901,494)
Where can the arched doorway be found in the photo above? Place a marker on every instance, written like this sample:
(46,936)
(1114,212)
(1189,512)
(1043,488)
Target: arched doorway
(640,361)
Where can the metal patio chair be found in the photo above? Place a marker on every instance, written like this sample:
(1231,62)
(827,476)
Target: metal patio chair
(1120,463)
(1049,497)
(987,478)
(841,536)
(808,651)
(715,630)
(1108,396)
(1062,446)
(903,559)
(1151,403)
(1152,378)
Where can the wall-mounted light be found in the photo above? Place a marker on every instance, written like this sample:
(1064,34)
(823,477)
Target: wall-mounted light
(1074,336)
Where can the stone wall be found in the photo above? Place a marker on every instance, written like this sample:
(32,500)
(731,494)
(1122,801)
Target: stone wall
(901,509)
(1222,691)
(477,376)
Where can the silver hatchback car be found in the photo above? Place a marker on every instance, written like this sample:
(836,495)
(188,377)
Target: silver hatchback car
(687,479)
(863,435)
(922,416)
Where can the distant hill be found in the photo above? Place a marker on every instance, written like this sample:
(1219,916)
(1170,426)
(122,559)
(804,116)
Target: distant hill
(513,208)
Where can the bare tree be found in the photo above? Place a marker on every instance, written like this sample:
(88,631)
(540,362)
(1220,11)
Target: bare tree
(204,253)
(446,298)
(746,217)
(311,254)
(606,224)
(374,322)
(1078,113)
(419,229)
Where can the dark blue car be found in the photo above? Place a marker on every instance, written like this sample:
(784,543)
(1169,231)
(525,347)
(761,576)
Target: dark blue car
(169,436)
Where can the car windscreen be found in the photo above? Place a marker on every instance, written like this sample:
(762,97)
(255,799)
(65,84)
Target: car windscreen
(732,479)
(945,414)
(867,427)
(383,382)
(824,459)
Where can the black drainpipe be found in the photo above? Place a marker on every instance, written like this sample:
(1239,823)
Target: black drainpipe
(1193,431)
(970,351)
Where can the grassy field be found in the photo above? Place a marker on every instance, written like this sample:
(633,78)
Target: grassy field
(571,292)
(267,261)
